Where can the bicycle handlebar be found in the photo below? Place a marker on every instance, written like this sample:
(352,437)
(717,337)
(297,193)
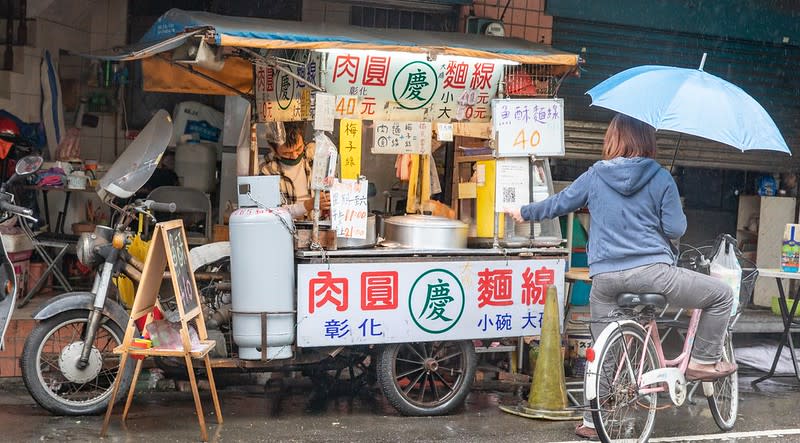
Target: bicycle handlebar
(8,207)
(160,207)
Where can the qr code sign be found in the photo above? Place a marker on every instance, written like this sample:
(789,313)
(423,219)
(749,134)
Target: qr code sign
(509,195)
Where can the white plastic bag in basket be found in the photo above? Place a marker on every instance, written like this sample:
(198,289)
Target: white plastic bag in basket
(725,266)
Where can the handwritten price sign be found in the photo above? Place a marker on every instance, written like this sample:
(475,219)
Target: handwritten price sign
(349,208)
(529,127)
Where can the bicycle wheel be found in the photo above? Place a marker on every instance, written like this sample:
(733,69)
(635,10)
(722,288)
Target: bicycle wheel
(620,412)
(724,401)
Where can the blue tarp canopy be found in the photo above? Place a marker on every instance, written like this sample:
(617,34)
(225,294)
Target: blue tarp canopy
(169,31)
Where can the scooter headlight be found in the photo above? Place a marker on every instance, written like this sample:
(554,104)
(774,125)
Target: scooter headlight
(89,242)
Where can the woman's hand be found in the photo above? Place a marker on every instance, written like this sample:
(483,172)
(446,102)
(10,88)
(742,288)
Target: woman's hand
(515,213)
(324,202)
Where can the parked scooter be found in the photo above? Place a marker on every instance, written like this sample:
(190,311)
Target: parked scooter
(68,364)
(8,283)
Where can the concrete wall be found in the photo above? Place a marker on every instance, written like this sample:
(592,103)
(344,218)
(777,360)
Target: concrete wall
(322,11)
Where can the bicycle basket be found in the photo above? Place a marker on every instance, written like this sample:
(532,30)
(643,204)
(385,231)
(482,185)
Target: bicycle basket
(749,277)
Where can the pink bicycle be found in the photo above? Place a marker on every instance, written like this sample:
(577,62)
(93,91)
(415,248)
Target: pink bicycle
(627,369)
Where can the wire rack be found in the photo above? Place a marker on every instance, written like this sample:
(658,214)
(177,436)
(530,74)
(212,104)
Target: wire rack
(531,81)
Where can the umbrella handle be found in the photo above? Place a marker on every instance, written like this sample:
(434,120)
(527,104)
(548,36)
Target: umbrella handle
(675,153)
(703,61)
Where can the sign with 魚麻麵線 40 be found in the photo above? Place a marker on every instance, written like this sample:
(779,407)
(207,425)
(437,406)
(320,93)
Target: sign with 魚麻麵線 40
(371,303)
(525,127)
(398,86)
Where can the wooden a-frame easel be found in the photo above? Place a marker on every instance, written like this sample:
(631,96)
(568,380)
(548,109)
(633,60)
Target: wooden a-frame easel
(167,247)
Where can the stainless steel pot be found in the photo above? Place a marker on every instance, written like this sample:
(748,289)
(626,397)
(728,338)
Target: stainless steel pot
(425,232)
(356,243)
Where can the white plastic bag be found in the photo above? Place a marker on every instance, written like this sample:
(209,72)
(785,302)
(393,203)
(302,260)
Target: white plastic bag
(725,266)
(323,171)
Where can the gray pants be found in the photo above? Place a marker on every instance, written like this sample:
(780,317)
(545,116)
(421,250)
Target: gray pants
(682,288)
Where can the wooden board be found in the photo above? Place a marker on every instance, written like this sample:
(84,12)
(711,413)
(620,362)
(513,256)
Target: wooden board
(474,130)
(197,352)
(774,213)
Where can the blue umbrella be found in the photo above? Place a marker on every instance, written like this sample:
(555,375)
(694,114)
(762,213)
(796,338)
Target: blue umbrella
(690,101)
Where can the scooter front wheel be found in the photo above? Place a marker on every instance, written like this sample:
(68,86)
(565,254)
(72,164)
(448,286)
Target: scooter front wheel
(52,375)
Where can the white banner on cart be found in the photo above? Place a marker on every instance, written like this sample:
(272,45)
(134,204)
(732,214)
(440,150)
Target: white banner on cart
(368,303)
(396,86)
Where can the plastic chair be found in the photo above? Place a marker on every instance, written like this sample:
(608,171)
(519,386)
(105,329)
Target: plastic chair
(187,201)
(58,247)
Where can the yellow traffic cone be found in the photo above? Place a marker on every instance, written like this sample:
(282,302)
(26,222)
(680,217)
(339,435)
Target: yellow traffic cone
(548,397)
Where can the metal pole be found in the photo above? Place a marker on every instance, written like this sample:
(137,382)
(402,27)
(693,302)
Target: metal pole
(250,97)
(273,62)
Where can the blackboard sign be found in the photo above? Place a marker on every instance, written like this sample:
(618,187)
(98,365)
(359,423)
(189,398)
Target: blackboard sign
(181,271)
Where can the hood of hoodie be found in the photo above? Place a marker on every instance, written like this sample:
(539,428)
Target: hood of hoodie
(627,175)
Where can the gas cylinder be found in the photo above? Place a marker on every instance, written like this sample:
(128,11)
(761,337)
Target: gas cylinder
(262,281)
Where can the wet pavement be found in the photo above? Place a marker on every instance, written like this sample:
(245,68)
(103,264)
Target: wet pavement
(293,411)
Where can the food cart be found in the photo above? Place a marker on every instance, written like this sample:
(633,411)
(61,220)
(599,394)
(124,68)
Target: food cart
(415,305)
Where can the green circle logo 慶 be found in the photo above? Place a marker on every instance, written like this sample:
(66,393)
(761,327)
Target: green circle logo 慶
(436,301)
(415,85)
(284,90)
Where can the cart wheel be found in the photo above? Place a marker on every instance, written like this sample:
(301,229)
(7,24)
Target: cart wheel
(427,378)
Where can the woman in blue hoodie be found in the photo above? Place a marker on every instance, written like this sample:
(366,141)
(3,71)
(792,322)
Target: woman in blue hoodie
(636,212)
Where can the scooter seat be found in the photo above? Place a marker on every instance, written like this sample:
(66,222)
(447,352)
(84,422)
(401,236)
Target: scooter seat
(629,300)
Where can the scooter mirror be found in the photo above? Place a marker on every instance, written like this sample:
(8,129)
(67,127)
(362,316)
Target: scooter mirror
(29,164)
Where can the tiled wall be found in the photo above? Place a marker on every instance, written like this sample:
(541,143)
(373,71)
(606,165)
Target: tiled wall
(18,331)
(76,26)
(70,25)
(523,18)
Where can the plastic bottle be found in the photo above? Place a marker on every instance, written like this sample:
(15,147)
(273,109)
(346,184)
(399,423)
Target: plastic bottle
(786,257)
(790,256)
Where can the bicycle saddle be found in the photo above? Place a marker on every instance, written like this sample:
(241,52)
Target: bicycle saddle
(628,300)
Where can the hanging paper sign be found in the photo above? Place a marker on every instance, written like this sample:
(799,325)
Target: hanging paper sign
(401,137)
(513,183)
(281,97)
(305,104)
(350,148)
(323,171)
(444,132)
(349,208)
(529,127)
(323,112)
(374,85)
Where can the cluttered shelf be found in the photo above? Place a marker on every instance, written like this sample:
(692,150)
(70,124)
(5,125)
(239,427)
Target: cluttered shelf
(88,189)
(62,214)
